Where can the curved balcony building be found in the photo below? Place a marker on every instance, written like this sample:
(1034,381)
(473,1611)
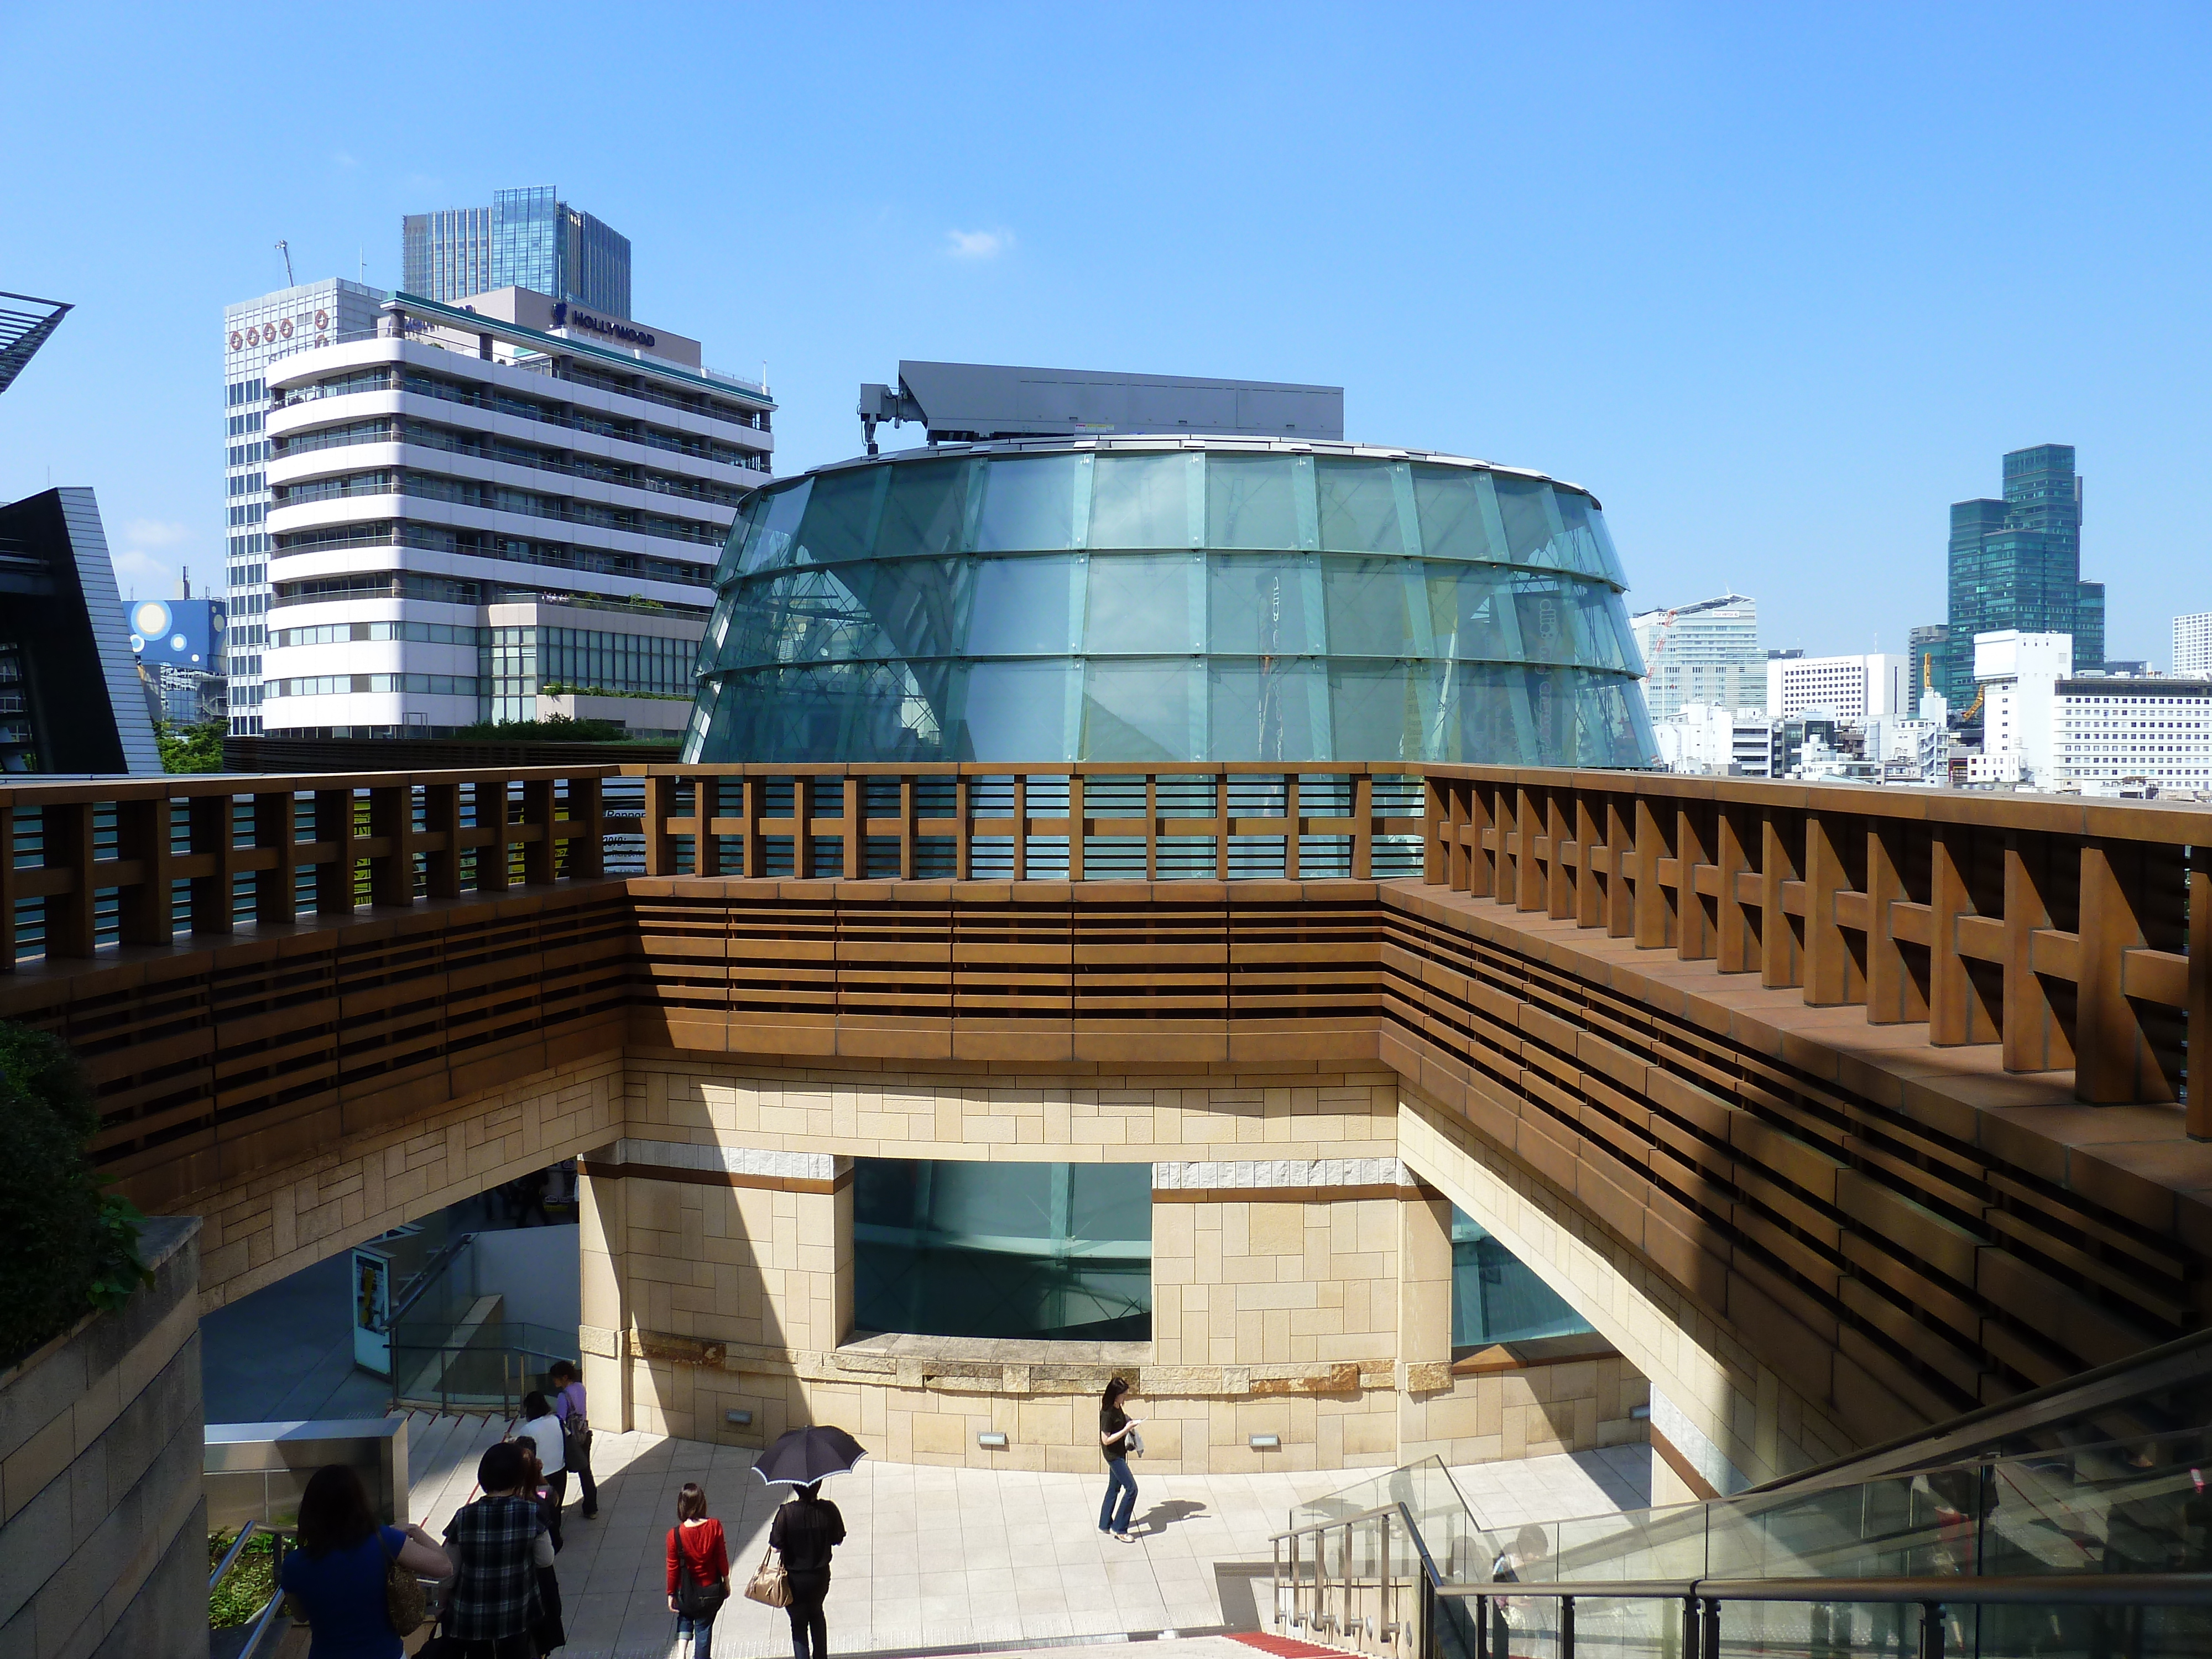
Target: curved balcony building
(1169,599)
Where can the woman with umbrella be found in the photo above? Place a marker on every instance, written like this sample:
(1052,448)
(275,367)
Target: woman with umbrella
(809,1527)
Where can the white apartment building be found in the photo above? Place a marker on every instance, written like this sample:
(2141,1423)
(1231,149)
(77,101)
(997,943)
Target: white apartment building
(2018,675)
(2192,643)
(256,333)
(484,501)
(1848,688)
(1706,653)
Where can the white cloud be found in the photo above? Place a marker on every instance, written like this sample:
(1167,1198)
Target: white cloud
(143,576)
(154,532)
(343,160)
(977,244)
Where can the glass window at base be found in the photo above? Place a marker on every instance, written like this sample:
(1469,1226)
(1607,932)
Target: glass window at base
(1497,1297)
(1050,1251)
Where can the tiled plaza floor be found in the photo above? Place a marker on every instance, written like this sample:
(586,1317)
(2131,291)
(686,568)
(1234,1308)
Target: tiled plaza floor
(943,1558)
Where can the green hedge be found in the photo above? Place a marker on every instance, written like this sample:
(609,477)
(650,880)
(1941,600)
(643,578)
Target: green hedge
(65,1248)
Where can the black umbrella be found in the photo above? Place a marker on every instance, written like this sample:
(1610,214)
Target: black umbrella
(806,1455)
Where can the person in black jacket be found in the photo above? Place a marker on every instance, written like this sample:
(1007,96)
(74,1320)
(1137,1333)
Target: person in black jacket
(804,1533)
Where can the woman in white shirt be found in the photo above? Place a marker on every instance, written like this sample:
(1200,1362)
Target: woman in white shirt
(543,1429)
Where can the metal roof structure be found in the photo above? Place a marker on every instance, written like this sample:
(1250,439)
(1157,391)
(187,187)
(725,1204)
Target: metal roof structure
(24,325)
(969,402)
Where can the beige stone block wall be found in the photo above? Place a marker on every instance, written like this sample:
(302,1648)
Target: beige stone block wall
(1529,1412)
(1272,1283)
(1760,1427)
(260,1230)
(1294,1113)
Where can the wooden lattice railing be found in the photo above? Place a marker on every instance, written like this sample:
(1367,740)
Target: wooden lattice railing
(2074,933)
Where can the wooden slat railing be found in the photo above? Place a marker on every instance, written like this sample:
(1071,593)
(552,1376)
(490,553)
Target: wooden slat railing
(198,855)
(2073,933)
(964,822)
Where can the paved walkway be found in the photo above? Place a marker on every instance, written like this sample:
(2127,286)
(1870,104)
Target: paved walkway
(946,1558)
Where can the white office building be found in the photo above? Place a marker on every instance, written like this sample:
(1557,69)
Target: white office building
(1854,689)
(1703,740)
(1706,653)
(2116,733)
(500,510)
(2192,643)
(257,333)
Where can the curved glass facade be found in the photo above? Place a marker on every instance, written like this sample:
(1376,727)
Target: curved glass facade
(1169,600)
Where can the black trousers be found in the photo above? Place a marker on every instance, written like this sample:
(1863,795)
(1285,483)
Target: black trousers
(808,1590)
(579,1462)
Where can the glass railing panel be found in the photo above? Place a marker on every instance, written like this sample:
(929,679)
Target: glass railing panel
(1660,1543)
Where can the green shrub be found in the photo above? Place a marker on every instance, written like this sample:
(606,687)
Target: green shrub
(65,1248)
(247,1587)
(553,728)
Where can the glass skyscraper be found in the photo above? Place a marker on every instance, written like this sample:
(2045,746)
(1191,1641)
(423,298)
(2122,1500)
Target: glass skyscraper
(2017,563)
(526,237)
(1170,599)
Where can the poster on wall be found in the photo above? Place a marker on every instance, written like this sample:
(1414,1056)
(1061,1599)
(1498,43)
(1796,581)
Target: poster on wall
(372,1312)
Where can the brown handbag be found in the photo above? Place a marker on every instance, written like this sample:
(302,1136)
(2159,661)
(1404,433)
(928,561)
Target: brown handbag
(769,1585)
(405,1605)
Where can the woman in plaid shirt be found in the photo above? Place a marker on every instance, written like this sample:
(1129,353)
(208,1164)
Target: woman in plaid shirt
(497,1543)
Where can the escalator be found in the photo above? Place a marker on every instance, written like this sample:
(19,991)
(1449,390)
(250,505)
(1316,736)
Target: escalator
(2076,1521)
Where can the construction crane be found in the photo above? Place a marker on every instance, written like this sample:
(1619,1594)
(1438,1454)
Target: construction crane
(285,248)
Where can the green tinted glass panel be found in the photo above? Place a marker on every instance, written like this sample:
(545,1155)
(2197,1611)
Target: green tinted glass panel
(1020,607)
(1472,614)
(1380,711)
(1028,503)
(1015,711)
(769,547)
(1266,710)
(1248,502)
(1454,518)
(839,516)
(1358,506)
(1371,607)
(1141,709)
(1109,1201)
(1141,500)
(1261,606)
(924,509)
(1551,617)
(1143,603)
(1525,507)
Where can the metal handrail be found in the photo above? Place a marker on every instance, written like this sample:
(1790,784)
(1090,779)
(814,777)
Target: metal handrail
(237,1547)
(2173,1589)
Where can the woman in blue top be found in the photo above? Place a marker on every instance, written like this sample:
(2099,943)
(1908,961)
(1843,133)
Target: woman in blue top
(336,1576)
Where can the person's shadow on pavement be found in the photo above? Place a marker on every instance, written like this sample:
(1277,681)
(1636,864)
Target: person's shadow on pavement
(1160,1516)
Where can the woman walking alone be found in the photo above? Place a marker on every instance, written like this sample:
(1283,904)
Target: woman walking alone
(1115,1427)
(337,1575)
(698,1570)
(805,1531)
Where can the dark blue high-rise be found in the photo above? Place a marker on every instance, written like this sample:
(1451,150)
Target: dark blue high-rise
(2017,563)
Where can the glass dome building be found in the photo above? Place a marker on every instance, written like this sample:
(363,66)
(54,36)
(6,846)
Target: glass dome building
(1169,599)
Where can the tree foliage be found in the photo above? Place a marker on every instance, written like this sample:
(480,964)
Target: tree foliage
(64,1247)
(190,748)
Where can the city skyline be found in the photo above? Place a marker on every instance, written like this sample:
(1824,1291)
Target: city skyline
(1758,286)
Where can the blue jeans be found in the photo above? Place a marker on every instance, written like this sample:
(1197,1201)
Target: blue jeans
(1118,1480)
(701,1632)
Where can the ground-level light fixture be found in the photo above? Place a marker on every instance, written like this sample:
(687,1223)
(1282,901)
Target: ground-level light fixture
(991,1440)
(742,1419)
(1265,1442)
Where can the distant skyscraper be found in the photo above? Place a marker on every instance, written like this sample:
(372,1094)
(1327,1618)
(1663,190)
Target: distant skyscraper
(526,239)
(1925,658)
(1706,653)
(2192,643)
(2017,564)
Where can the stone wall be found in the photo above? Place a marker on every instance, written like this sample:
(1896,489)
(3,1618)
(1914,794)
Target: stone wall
(1300,1279)
(271,1225)
(103,1533)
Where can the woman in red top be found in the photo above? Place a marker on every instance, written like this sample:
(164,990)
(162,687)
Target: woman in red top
(697,1551)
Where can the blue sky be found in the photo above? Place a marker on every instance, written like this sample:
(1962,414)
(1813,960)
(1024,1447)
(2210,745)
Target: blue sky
(1778,282)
